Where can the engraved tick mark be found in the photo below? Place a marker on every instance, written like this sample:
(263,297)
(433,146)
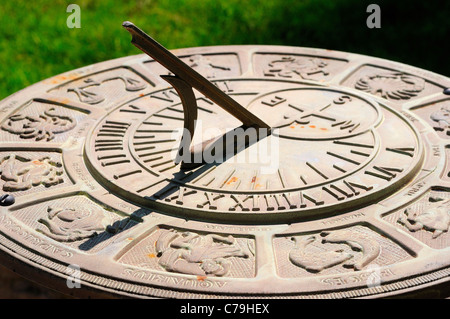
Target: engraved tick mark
(316,170)
(408,151)
(342,157)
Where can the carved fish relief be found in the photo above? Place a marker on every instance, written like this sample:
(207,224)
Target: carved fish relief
(369,247)
(318,261)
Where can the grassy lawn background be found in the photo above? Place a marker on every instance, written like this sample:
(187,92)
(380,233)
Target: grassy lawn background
(35,42)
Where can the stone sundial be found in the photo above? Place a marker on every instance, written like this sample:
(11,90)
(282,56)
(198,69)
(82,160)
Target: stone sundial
(229,171)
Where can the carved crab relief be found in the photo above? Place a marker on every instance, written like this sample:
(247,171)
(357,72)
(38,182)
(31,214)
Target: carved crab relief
(391,85)
(435,218)
(195,254)
(41,127)
(364,251)
(289,66)
(72,224)
(20,173)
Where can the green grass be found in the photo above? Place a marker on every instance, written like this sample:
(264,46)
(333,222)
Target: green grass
(35,42)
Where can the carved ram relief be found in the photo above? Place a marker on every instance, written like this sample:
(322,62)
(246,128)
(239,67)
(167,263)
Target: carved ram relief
(435,218)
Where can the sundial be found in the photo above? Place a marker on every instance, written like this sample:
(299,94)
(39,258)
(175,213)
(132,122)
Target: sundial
(229,171)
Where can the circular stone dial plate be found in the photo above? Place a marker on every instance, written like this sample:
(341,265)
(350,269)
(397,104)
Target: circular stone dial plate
(349,196)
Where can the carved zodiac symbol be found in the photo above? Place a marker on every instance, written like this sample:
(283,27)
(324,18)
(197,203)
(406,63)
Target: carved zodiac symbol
(318,261)
(72,224)
(86,96)
(288,66)
(357,242)
(191,253)
(442,117)
(44,126)
(391,85)
(130,83)
(435,219)
(90,97)
(22,174)
(315,262)
(204,66)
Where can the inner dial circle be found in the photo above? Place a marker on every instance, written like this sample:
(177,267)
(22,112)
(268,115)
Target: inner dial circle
(333,150)
(316,113)
(305,150)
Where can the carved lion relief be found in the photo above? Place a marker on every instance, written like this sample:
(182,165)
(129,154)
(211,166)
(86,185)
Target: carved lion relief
(21,173)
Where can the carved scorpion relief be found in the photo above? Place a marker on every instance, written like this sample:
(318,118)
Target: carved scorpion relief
(435,219)
(41,127)
(21,173)
(72,224)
